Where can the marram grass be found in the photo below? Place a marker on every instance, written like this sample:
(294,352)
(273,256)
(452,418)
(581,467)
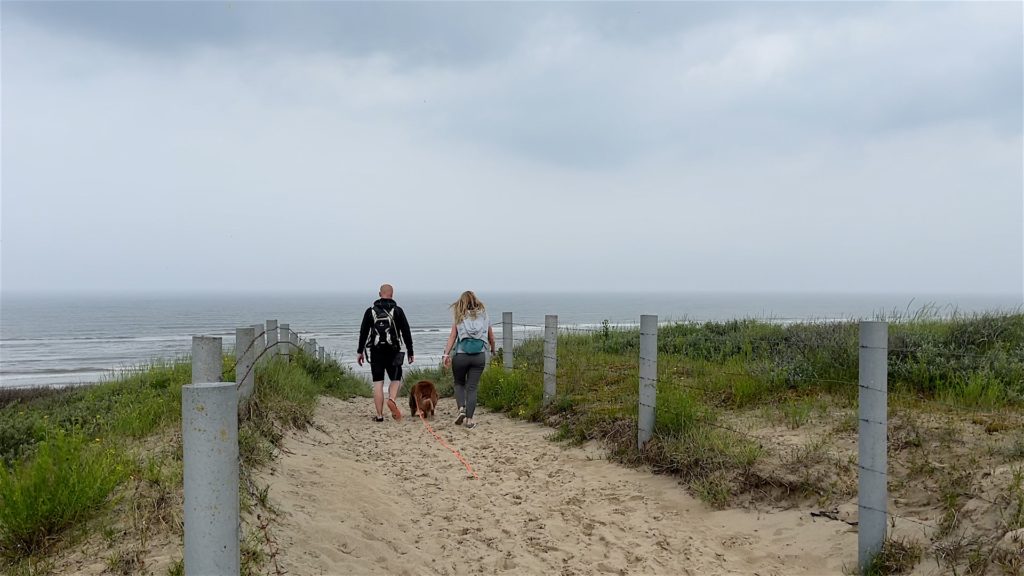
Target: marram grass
(64,454)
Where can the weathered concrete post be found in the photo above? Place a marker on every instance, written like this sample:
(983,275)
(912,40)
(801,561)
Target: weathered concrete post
(648,378)
(873,493)
(207,358)
(272,339)
(320,354)
(245,354)
(209,437)
(507,341)
(283,349)
(209,434)
(294,339)
(312,348)
(550,355)
(260,342)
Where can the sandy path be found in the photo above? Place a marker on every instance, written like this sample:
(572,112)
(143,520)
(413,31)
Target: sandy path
(368,498)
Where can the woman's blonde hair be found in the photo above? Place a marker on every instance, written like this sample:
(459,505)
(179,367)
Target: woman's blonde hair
(467,305)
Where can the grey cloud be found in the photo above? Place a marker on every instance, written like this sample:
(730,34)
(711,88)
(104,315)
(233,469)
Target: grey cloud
(696,146)
(567,95)
(436,33)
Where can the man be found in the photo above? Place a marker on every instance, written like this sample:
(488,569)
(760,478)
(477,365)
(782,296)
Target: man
(381,333)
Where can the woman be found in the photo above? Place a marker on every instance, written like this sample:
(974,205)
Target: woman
(465,352)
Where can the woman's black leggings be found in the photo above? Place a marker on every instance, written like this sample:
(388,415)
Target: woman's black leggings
(467,369)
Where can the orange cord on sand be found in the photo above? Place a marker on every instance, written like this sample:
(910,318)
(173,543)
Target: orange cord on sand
(443,443)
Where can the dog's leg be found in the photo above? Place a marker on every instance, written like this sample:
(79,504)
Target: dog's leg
(412,404)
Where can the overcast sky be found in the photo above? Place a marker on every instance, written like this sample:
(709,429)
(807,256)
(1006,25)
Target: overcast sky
(332,146)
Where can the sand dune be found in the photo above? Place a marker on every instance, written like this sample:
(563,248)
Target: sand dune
(367,498)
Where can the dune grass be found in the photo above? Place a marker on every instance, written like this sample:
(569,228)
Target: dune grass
(64,454)
(67,479)
(793,370)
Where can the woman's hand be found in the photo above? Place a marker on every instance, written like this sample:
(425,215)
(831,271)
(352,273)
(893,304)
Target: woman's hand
(447,360)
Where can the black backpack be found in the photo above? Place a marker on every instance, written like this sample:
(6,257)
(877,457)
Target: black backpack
(383,331)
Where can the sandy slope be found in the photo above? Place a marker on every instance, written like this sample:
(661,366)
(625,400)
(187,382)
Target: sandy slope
(368,498)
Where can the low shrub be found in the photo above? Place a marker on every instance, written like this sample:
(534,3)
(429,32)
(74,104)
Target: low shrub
(67,479)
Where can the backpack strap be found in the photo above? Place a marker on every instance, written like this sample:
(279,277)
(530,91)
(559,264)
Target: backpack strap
(371,339)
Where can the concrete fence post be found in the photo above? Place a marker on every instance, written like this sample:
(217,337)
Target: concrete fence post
(872,495)
(283,349)
(209,437)
(648,378)
(245,356)
(507,341)
(260,342)
(312,348)
(207,358)
(550,355)
(320,354)
(294,339)
(272,339)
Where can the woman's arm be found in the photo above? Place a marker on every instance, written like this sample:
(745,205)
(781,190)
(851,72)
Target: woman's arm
(447,359)
(490,339)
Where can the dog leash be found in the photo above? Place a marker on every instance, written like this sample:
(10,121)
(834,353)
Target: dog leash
(445,444)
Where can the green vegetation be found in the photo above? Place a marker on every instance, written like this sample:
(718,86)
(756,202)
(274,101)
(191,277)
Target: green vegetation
(898,556)
(718,382)
(972,362)
(107,458)
(67,479)
(133,407)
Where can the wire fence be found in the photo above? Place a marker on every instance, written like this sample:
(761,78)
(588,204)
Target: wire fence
(611,356)
(212,411)
(584,365)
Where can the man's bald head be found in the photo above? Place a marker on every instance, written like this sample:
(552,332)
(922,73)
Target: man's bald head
(386,291)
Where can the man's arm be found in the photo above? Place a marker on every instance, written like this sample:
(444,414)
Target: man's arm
(404,330)
(364,331)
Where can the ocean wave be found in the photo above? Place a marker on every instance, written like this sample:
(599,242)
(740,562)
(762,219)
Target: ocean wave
(55,371)
(100,339)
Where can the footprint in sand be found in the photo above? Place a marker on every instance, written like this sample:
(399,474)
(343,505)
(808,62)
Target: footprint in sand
(506,563)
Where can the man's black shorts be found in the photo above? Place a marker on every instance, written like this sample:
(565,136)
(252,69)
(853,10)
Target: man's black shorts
(382,361)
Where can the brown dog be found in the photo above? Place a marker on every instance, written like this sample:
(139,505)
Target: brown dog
(423,399)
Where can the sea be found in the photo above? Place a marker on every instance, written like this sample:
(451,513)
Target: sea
(62,340)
